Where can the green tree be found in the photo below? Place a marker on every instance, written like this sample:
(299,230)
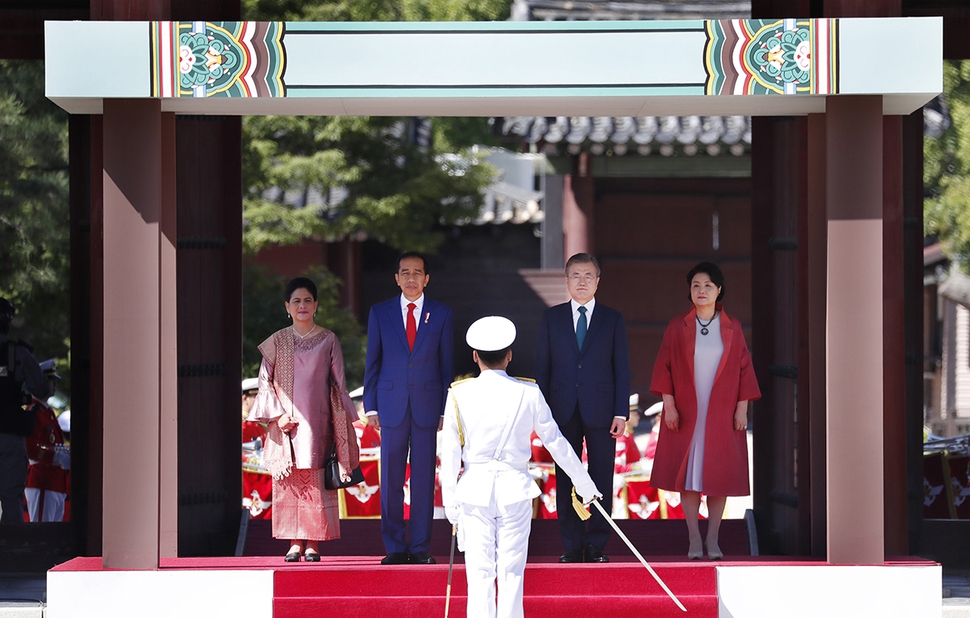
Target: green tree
(946,209)
(389,187)
(34,211)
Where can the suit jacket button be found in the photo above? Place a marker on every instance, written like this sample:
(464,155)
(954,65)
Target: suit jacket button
(410,365)
(580,366)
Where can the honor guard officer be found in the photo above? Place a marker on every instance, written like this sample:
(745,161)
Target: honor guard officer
(488,423)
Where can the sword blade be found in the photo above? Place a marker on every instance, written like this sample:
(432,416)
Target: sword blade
(451,566)
(636,553)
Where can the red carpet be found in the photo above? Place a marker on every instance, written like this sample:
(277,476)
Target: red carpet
(346,584)
(551,590)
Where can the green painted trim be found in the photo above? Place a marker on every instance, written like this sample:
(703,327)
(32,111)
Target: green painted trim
(489,92)
(411,27)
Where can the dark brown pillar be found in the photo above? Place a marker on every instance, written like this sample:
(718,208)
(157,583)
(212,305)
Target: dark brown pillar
(854,332)
(814,271)
(139,334)
(913,300)
(894,348)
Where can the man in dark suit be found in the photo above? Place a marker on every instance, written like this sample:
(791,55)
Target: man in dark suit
(406,379)
(583,369)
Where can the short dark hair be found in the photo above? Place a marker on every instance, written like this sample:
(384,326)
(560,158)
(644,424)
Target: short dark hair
(296,284)
(582,258)
(493,358)
(412,254)
(711,270)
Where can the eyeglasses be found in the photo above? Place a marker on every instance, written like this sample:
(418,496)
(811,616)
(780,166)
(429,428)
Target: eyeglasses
(576,278)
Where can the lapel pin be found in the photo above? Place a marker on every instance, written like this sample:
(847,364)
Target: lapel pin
(426,316)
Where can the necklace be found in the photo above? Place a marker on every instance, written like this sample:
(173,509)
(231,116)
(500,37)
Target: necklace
(312,328)
(704,326)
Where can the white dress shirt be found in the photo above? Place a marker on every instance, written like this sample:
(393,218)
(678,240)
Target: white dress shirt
(589,311)
(419,306)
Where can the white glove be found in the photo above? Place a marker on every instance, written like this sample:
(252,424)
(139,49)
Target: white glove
(451,512)
(62,459)
(588,493)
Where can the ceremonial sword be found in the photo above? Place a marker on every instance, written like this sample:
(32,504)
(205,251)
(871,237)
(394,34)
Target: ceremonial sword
(451,565)
(581,511)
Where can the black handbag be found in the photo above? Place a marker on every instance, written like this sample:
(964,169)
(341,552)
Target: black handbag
(342,428)
(331,473)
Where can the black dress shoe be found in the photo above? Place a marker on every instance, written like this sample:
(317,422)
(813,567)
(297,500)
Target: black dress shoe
(311,556)
(422,557)
(595,554)
(292,557)
(395,557)
(571,555)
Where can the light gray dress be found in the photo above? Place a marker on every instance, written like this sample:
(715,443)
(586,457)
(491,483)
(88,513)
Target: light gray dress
(707,356)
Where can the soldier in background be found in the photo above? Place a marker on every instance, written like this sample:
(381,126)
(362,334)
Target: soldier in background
(48,477)
(19,373)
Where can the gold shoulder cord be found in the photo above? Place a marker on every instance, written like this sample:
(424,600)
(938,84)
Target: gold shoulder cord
(529,380)
(461,433)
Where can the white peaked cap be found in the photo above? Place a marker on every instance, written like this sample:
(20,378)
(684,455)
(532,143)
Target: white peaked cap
(64,421)
(634,400)
(490,334)
(250,384)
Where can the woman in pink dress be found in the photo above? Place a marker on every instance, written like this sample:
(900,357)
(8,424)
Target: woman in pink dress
(302,365)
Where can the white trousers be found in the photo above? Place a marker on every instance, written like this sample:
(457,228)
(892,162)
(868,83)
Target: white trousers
(53,504)
(496,545)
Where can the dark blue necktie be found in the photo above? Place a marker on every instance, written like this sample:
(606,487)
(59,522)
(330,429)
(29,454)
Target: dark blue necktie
(581,327)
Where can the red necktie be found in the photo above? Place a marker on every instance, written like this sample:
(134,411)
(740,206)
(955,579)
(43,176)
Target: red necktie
(412,327)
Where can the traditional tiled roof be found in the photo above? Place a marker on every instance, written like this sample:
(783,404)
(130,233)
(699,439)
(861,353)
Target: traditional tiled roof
(663,135)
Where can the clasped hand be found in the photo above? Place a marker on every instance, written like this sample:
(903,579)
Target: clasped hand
(286,423)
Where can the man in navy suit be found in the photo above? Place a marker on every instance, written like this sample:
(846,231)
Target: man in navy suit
(409,369)
(583,369)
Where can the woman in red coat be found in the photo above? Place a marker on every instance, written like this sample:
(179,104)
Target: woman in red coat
(704,374)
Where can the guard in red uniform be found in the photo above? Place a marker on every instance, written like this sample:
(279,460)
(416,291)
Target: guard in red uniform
(50,461)
(257,484)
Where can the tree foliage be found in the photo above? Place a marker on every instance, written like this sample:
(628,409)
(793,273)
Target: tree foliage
(364,173)
(388,187)
(946,209)
(34,210)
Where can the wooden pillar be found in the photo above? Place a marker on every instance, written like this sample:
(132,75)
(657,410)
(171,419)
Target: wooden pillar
(140,454)
(813,267)
(913,308)
(854,329)
(894,345)
(577,209)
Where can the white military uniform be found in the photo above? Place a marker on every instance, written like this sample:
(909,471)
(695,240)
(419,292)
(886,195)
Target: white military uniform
(495,492)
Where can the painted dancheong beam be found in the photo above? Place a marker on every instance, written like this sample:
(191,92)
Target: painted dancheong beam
(757,67)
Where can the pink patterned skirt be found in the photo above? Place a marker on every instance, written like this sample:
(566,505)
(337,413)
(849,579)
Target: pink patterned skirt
(303,508)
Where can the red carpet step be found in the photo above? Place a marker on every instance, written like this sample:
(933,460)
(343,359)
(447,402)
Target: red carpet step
(552,590)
